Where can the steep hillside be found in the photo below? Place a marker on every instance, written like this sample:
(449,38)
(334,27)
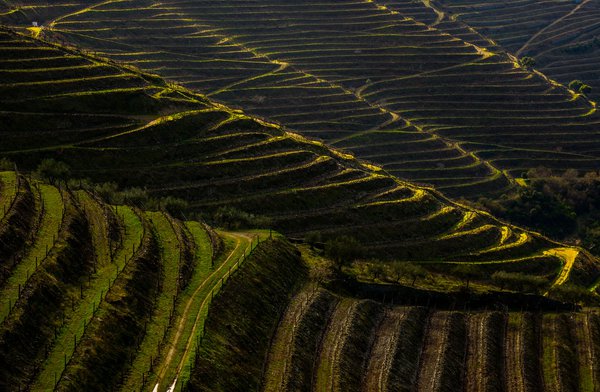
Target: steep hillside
(113,112)
(101,297)
(562,35)
(243,319)
(213,156)
(327,342)
(363,76)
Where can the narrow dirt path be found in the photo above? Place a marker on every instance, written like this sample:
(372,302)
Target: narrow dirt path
(476,352)
(585,348)
(542,31)
(242,241)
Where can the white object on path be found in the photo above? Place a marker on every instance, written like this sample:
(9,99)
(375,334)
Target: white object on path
(172,387)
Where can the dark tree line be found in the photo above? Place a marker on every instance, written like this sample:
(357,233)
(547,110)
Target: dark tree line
(565,206)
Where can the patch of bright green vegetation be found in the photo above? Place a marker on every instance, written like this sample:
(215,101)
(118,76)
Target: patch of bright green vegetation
(99,227)
(84,309)
(53,209)
(186,310)
(157,329)
(180,369)
(174,367)
(242,320)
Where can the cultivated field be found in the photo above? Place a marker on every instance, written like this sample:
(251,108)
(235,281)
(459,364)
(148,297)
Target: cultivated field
(561,35)
(326,342)
(327,121)
(101,297)
(213,156)
(435,104)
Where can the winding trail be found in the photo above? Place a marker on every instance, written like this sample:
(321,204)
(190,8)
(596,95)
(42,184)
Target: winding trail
(175,363)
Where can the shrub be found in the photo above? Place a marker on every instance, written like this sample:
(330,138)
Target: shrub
(135,196)
(527,62)
(53,171)
(109,191)
(413,271)
(570,293)
(79,183)
(232,218)
(343,250)
(518,281)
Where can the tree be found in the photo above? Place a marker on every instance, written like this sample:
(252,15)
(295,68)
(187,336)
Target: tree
(518,281)
(467,272)
(53,170)
(579,86)
(343,250)
(233,218)
(375,270)
(527,62)
(173,205)
(135,196)
(413,271)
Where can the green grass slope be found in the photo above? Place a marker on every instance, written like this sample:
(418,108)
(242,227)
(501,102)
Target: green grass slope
(104,297)
(244,316)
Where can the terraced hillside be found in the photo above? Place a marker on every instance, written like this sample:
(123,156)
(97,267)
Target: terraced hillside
(213,156)
(327,342)
(101,297)
(354,97)
(561,35)
(363,76)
